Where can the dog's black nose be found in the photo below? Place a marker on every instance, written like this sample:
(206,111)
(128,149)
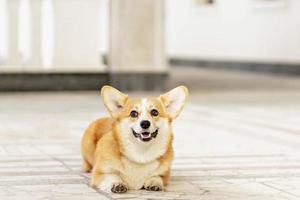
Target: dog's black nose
(145,124)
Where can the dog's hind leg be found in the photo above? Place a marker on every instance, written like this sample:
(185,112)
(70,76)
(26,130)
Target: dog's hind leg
(86,166)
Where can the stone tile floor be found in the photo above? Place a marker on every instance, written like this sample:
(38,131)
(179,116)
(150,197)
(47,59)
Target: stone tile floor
(233,144)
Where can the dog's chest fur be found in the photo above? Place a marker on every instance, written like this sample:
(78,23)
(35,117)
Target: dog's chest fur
(135,174)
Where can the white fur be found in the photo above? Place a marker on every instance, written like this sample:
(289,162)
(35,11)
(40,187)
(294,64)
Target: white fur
(175,100)
(139,151)
(144,104)
(135,174)
(108,181)
(154,181)
(143,152)
(144,115)
(139,162)
(114,100)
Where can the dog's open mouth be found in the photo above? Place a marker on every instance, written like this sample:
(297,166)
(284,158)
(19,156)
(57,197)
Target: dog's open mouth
(145,136)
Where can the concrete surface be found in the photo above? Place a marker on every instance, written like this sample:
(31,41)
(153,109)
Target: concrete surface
(231,142)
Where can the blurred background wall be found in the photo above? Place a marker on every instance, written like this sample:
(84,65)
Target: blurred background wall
(137,38)
(243,30)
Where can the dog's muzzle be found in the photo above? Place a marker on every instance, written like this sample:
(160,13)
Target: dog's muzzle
(145,136)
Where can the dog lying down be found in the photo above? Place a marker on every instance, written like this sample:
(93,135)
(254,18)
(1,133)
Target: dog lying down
(132,149)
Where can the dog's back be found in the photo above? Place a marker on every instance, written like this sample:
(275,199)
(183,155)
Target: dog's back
(92,135)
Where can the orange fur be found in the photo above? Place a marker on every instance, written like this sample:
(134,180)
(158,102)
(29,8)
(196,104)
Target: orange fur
(92,135)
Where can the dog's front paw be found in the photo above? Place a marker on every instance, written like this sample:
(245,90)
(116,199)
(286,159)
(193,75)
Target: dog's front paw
(119,188)
(108,183)
(154,184)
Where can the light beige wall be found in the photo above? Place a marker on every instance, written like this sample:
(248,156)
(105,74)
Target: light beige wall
(234,30)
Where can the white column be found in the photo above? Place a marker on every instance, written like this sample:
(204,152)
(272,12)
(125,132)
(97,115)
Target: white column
(47,34)
(3,32)
(36,42)
(13,52)
(137,36)
(77,35)
(24,33)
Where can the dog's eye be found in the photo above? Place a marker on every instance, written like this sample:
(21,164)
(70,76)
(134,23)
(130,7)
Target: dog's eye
(134,114)
(154,112)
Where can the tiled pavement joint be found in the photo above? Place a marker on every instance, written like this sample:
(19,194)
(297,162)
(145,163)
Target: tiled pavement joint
(227,146)
(86,180)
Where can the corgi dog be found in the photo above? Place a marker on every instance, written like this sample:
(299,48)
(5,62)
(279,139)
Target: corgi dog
(132,149)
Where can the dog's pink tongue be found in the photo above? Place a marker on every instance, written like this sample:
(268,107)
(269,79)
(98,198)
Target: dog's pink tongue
(146,135)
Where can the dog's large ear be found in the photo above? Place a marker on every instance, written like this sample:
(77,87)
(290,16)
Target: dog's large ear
(174,101)
(113,99)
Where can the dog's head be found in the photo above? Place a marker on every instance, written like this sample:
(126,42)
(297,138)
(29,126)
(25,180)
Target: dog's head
(144,121)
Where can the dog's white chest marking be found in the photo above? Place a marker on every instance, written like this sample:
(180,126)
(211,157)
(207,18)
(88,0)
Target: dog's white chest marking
(136,174)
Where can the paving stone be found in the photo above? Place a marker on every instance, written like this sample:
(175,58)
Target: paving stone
(233,144)
(66,191)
